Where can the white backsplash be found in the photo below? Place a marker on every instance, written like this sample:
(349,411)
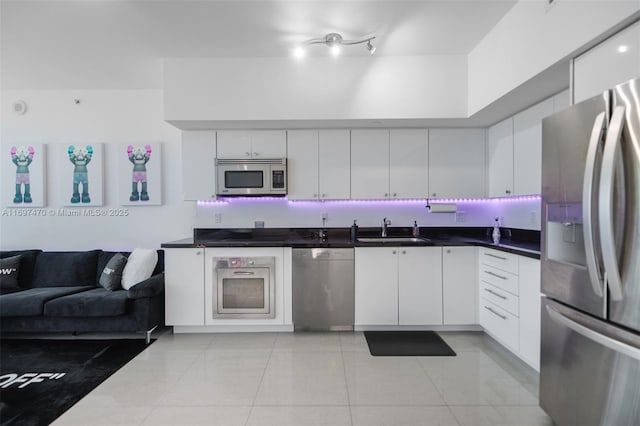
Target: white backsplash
(521,213)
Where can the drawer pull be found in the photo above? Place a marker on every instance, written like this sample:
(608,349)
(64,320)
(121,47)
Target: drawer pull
(497,257)
(495,294)
(495,275)
(495,313)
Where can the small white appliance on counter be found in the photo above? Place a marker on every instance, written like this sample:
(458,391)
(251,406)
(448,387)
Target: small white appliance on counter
(250,177)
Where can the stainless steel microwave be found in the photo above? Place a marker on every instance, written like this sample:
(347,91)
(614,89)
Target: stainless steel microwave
(266,176)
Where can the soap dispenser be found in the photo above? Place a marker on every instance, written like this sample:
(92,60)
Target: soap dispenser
(496,231)
(354,232)
(416,231)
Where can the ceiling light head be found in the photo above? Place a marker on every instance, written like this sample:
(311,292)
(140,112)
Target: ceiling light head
(333,39)
(623,48)
(299,52)
(370,47)
(335,49)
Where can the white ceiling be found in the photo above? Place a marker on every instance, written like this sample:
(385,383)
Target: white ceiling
(119,44)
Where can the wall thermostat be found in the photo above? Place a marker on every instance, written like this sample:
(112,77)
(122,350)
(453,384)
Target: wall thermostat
(20,107)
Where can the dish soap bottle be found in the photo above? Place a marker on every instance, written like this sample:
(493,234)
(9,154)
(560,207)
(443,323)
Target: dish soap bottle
(496,232)
(416,231)
(354,232)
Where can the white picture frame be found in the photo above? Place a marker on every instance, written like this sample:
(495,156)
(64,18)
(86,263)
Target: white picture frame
(140,173)
(23,175)
(83,177)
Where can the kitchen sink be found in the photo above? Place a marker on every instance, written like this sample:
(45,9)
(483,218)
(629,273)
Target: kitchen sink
(415,240)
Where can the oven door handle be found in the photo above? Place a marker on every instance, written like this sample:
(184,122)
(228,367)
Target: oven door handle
(243,273)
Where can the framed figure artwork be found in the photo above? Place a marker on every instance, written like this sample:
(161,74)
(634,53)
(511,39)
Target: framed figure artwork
(23,174)
(140,173)
(83,173)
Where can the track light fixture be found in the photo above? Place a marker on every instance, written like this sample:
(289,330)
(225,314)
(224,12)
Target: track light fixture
(334,42)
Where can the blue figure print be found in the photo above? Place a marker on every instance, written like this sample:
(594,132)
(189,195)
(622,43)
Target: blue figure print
(80,157)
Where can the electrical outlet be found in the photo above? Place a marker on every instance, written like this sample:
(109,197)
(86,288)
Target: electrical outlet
(533,219)
(461,217)
(217,218)
(258,224)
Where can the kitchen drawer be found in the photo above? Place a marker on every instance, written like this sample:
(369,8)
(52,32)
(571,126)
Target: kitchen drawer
(499,278)
(500,324)
(498,296)
(499,259)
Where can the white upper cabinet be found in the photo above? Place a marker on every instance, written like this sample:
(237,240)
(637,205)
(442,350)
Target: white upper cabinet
(611,62)
(369,163)
(252,144)
(500,148)
(408,163)
(456,163)
(561,100)
(302,164)
(198,170)
(334,161)
(527,147)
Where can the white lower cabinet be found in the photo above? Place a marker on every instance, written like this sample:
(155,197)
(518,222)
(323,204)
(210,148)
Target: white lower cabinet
(530,311)
(419,285)
(376,286)
(398,286)
(459,298)
(509,302)
(184,286)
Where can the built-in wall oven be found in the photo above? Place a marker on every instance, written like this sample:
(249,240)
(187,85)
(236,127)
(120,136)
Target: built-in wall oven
(243,287)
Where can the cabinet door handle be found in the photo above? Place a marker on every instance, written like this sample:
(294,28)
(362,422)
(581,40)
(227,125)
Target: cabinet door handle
(255,154)
(395,194)
(493,274)
(324,195)
(198,253)
(495,294)
(497,257)
(448,250)
(495,313)
(247,154)
(404,252)
(507,191)
(386,194)
(394,252)
(433,195)
(315,195)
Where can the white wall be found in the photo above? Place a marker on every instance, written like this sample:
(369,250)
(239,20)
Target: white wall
(110,117)
(530,38)
(317,88)
(241,213)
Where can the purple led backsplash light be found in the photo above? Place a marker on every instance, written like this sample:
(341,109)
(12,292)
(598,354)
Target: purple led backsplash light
(259,200)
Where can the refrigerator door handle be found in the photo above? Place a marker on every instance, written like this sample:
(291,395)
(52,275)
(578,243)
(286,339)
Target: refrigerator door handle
(593,264)
(608,342)
(605,204)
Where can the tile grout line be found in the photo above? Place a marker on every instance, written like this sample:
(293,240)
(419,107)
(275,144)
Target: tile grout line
(255,397)
(346,382)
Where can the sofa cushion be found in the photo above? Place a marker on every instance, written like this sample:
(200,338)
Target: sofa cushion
(31,302)
(97,302)
(27,265)
(140,266)
(111,277)
(65,269)
(9,273)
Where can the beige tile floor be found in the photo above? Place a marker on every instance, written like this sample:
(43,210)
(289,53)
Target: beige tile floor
(312,379)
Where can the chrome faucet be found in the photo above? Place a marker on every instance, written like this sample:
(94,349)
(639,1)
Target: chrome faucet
(385,222)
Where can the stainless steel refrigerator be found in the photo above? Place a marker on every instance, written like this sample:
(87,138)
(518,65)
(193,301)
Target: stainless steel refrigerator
(590,260)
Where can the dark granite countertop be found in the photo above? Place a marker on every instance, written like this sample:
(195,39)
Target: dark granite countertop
(520,242)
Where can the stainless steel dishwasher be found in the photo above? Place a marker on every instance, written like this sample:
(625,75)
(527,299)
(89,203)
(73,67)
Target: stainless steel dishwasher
(323,289)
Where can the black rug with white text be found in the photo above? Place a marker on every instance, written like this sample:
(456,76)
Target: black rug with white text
(41,379)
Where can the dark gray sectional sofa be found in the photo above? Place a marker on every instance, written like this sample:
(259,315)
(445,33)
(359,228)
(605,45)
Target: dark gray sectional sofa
(59,292)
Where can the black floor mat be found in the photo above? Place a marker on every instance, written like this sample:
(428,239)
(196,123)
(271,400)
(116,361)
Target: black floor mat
(41,379)
(407,343)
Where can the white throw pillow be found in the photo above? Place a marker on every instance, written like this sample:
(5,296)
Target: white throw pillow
(139,267)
